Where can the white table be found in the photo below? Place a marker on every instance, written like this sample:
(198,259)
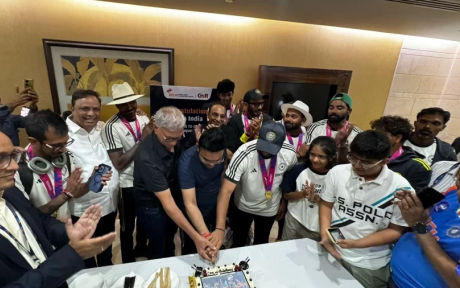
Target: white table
(294,263)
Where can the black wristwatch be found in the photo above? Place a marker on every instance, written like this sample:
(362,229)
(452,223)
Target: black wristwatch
(420,228)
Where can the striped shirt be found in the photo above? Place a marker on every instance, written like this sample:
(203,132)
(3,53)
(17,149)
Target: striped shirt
(244,169)
(319,129)
(117,137)
(443,175)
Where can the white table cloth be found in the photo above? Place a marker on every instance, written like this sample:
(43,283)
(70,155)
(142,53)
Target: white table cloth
(295,263)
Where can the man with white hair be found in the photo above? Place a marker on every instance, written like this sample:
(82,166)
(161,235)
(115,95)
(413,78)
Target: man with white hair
(156,187)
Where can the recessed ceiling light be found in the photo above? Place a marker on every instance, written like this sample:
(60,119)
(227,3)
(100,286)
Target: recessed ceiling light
(229,1)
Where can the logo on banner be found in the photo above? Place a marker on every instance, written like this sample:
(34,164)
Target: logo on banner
(187,93)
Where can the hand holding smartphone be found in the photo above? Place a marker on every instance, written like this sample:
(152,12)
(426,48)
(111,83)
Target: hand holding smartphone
(95,182)
(335,234)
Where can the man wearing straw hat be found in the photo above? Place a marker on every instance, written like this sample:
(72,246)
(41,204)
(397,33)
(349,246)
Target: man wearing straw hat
(121,136)
(296,116)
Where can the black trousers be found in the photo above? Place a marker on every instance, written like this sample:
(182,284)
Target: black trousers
(106,225)
(160,231)
(242,222)
(127,209)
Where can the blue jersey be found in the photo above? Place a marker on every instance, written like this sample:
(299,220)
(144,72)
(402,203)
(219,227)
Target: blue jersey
(410,267)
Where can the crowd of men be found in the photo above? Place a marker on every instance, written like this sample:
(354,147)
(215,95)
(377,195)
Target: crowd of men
(225,187)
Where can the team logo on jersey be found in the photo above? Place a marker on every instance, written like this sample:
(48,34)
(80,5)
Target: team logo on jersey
(270,136)
(441,206)
(454,232)
(282,167)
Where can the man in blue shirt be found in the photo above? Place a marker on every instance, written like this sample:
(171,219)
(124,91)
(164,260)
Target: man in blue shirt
(200,175)
(430,256)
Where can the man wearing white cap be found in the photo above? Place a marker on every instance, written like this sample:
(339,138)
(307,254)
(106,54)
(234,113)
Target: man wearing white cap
(296,116)
(121,136)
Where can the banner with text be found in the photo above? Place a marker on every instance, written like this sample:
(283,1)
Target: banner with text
(192,101)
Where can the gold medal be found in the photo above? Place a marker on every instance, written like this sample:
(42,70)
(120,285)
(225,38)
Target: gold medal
(268,194)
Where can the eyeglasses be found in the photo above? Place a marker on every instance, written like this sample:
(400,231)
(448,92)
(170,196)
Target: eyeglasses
(170,139)
(364,163)
(58,147)
(5,158)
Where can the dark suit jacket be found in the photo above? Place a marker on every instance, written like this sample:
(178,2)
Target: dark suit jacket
(61,263)
(234,130)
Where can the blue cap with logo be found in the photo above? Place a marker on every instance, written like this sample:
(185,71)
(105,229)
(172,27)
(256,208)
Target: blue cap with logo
(271,137)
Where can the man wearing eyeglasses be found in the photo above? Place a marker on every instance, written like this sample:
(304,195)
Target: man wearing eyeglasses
(156,187)
(36,250)
(200,174)
(89,151)
(48,175)
(245,126)
(358,200)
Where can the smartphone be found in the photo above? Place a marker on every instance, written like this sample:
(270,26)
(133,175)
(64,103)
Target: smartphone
(335,234)
(25,111)
(429,196)
(28,83)
(95,182)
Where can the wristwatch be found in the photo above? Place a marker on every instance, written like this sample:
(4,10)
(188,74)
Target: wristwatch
(420,228)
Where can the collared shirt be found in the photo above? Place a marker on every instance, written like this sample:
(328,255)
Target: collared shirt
(8,221)
(117,137)
(155,170)
(89,151)
(362,208)
(39,195)
(319,129)
(244,169)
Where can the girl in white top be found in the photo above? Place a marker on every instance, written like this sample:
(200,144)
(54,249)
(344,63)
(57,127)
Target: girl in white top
(302,217)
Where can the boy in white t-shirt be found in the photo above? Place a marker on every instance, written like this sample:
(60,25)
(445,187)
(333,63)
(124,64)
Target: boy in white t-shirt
(358,200)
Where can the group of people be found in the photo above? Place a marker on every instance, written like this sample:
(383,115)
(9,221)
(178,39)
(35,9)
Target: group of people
(226,186)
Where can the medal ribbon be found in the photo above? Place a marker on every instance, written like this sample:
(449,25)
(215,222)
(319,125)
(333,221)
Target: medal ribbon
(27,249)
(269,176)
(299,144)
(246,124)
(329,131)
(397,153)
(136,136)
(53,192)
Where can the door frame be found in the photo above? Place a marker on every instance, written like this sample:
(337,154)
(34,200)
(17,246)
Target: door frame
(270,74)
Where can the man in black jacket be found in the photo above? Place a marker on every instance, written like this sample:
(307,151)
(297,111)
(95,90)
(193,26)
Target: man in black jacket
(36,250)
(404,160)
(245,126)
(431,121)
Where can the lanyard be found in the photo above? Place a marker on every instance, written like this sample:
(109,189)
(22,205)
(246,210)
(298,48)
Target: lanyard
(268,176)
(440,177)
(27,249)
(329,131)
(136,136)
(53,192)
(246,123)
(397,153)
(299,144)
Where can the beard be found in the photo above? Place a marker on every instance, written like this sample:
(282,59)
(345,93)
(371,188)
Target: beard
(334,118)
(291,126)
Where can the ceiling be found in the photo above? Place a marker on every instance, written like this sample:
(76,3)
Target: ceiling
(409,17)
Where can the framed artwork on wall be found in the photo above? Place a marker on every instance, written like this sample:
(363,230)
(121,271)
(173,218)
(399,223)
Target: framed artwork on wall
(95,66)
